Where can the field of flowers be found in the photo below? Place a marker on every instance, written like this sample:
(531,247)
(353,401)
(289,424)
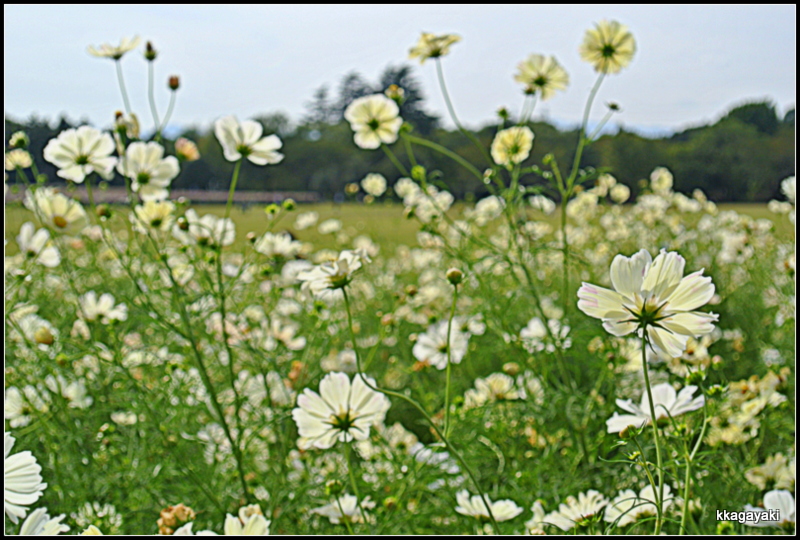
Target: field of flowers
(601,366)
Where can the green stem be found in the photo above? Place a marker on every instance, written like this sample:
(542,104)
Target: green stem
(447,384)
(170,108)
(653,418)
(122,89)
(447,152)
(453,116)
(421,410)
(394,160)
(689,459)
(152,98)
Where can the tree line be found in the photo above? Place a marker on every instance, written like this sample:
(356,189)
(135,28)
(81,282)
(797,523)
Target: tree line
(740,158)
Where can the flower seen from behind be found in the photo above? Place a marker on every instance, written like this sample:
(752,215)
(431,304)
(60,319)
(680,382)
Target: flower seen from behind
(36,245)
(79,152)
(475,507)
(652,295)
(375,119)
(666,402)
(542,75)
(512,146)
(578,511)
(22,483)
(609,47)
(432,46)
(107,50)
(342,411)
(150,172)
(243,140)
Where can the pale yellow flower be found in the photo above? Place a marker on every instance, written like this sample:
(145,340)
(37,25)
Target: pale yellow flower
(107,50)
(512,145)
(609,47)
(543,75)
(432,46)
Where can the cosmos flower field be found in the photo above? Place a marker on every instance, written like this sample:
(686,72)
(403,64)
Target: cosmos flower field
(558,357)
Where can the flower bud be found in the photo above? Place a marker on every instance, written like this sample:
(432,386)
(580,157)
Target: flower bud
(351,188)
(455,276)
(149,52)
(502,112)
(612,106)
(251,237)
(418,173)
(289,205)
(43,336)
(395,93)
(271,209)
(103,211)
(174,82)
(183,224)
(333,488)
(696,377)
(629,433)
(390,503)
(19,140)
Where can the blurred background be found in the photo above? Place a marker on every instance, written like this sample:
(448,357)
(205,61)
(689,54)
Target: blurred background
(710,93)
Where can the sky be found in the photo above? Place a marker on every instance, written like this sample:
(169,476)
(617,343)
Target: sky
(692,62)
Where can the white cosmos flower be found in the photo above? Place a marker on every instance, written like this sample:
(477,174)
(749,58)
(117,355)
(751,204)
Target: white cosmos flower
(102,309)
(150,172)
(575,511)
(278,245)
(39,523)
(374,184)
(254,525)
(55,209)
(620,193)
(22,483)
(79,152)
(349,511)
(543,75)
(306,220)
(154,215)
(325,280)
(209,230)
(780,500)
(543,204)
(431,347)
(652,294)
(375,119)
(432,46)
(666,403)
(107,50)
(35,245)
(18,158)
(512,145)
(243,139)
(627,507)
(340,412)
(475,507)
(609,47)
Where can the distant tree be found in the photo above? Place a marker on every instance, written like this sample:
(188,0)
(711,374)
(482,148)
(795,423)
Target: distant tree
(761,114)
(412,110)
(788,118)
(352,86)
(277,122)
(320,110)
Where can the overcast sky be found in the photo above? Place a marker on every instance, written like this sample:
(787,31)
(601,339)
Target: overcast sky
(692,62)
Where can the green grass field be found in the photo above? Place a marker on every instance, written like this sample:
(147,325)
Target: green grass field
(383,222)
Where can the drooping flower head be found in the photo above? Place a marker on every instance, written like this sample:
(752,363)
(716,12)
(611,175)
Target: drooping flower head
(475,507)
(55,209)
(79,152)
(243,139)
(326,280)
(667,403)
(22,483)
(654,296)
(542,75)
(609,47)
(340,412)
(512,145)
(432,46)
(375,119)
(107,50)
(150,172)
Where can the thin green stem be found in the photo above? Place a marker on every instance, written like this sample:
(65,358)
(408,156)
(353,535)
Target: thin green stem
(452,111)
(152,98)
(447,152)
(689,460)
(122,89)
(653,418)
(421,410)
(394,160)
(170,108)
(449,353)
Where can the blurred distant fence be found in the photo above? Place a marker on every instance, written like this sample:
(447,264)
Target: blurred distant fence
(118,195)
